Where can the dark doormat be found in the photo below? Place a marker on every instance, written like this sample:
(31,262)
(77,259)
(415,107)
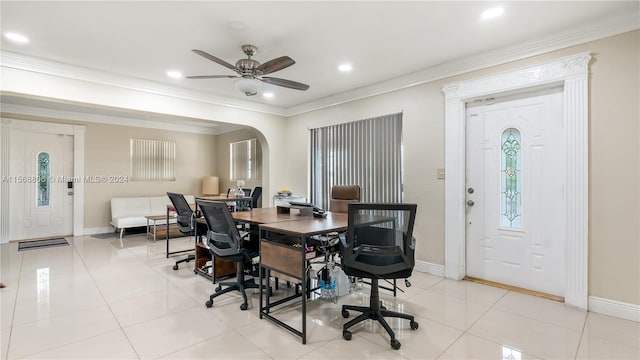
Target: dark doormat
(41,244)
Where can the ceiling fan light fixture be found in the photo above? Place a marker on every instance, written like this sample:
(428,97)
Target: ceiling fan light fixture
(247,86)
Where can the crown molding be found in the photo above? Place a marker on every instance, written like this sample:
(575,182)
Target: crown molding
(23,62)
(607,27)
(18,111)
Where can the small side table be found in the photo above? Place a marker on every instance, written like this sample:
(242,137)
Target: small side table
(153,220)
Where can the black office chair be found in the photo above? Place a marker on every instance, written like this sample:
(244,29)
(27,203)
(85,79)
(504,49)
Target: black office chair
(379,245)
(255,196)
(185,220)
(225,242)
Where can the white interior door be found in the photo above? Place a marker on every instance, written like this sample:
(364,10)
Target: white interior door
(515,191)
(42,203)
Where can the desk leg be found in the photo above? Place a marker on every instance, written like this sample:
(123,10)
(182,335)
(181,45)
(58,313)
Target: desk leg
(166,236)
(305,289)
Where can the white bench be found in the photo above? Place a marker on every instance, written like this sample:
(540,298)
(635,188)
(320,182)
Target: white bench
(131,212)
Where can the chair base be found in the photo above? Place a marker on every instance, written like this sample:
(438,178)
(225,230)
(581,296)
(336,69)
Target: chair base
(375,311)
(239,285)
(187,259)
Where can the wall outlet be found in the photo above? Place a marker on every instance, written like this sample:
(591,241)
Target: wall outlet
(440,174)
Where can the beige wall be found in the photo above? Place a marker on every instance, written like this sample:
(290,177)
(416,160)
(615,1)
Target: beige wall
(223,157)
(107,153)
(614,174)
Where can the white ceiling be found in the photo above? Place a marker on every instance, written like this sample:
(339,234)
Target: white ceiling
(384,40)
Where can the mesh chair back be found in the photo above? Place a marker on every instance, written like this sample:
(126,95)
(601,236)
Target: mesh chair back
(380,240)
(223,236)
(184,214)
(255,196)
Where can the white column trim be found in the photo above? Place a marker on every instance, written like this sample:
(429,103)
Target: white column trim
(4,185)
(77,131)
(572,73)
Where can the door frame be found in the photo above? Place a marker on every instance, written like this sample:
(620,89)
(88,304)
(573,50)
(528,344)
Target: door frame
(572,74)
(77,131)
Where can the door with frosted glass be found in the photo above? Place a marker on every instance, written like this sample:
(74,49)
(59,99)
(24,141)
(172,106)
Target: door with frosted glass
(42,204)
(515,191)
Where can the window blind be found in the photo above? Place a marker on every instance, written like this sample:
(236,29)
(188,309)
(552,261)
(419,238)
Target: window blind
(152,160)
(366,152)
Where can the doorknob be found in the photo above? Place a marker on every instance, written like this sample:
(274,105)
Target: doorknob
(470,202)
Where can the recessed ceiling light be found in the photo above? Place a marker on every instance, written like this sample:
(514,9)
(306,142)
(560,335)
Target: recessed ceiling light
(174,74)
(345,67)
(492,13)
(16,37)
(267,95)
(236,25)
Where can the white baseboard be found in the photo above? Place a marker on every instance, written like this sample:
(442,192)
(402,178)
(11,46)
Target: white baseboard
(429,268)
(98,230)
(614,308)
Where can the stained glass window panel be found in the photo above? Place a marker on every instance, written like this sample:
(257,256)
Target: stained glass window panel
(43,186)
(511,176)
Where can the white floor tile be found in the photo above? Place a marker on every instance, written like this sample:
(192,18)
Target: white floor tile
(538,308)
(230,345)
(151,306)
(473,347)
(100,299)
(612,330)
(46,334)
(171,333)
(444,309)
(470,291)
(534,337)
(112,345)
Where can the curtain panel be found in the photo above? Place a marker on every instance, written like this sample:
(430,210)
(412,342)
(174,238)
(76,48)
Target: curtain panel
(366,152)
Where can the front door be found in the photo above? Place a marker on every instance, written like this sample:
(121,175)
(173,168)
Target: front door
(40,196)
(515,191)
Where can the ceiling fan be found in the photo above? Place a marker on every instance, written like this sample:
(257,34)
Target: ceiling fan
(251,71)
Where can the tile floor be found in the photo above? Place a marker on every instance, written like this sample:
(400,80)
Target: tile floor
(94,299)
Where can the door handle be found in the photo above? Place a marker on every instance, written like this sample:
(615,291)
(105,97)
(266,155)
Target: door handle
(470,203)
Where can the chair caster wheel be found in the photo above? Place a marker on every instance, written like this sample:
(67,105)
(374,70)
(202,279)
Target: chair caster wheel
(244,306)
(414,325)
(175,267)
(209,303)
(345,314)
(346,334)
(395,344)
(219,288)
(382,307)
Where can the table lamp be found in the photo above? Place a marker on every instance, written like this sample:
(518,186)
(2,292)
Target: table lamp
(210,185)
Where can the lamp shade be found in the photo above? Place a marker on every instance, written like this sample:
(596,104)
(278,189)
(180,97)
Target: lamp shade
(210,185)
(248,86)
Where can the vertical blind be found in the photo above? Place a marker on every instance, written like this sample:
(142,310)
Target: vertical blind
(366,152)
(244,161)
(152,160)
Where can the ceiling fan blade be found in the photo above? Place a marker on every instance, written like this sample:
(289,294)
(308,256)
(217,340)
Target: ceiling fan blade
(284,83)
(211,77)
(276,65)
(216,60)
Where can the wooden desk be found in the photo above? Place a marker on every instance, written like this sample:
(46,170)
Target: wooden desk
(279,255)
(224,198)
(264,216)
